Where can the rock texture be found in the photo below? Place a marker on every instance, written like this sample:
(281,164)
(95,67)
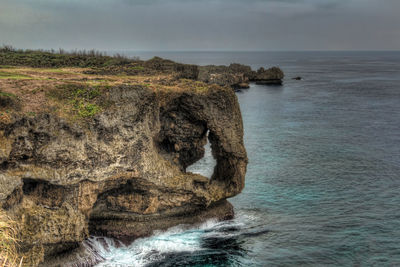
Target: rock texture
(234,75)
(238,76)
(273,75)
(120,173)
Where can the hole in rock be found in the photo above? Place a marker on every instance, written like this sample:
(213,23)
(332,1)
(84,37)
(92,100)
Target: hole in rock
(204,166)
(30,185)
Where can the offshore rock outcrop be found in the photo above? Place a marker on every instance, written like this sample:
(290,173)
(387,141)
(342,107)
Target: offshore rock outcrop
(272,75)
(120,173)
(238,76)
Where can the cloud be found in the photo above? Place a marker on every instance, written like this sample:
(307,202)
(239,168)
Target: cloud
(19,14)
(201,25)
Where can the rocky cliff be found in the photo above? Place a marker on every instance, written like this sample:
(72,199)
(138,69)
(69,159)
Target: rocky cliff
(79,158)
(239,76)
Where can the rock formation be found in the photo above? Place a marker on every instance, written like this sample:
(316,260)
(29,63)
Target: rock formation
(238,76)
(273,75)
(101,147)
(120,172)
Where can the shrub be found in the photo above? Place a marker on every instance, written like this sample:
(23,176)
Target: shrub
(87,109)
(84,100)
(60,58)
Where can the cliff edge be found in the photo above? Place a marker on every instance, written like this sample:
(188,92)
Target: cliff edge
(84,153)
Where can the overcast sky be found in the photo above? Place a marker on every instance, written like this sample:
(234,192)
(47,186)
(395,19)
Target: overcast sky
(201,24)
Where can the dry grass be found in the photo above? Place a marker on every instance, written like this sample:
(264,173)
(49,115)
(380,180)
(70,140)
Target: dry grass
(8,244)
(31,86)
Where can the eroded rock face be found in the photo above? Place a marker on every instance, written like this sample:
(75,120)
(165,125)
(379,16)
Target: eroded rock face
(121,173)
(238,76)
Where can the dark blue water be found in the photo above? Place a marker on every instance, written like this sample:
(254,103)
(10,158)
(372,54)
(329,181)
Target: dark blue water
(323,180)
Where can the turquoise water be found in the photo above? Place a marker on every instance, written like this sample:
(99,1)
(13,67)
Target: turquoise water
(323,180)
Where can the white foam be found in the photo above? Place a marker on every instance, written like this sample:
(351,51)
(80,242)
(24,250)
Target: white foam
(145,250)
(183,238)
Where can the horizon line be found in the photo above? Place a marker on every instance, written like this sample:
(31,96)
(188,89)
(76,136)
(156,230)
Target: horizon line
(218,50)
(211,50)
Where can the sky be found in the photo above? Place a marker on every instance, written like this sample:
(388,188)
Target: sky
(206,25)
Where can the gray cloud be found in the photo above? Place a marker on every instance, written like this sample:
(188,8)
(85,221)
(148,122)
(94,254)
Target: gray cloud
(201,25)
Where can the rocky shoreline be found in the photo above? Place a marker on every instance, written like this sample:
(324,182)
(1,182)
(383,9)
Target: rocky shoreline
(104,150)
(235,75)
(239,76)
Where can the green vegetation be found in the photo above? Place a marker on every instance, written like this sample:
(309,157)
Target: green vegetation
(4,94)
(14,76)
(61,58)
(52,70)
(97,82)
(138,68)
(197,86)
(87,109)
(85,101)
(6,67)
(200,86)
(96,62)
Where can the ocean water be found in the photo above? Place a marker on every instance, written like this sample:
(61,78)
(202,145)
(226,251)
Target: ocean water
(323,180)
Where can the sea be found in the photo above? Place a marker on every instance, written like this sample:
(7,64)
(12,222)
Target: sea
(323,179)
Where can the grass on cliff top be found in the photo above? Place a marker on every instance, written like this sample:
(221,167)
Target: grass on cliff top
(73,93)
(196,86)
(98,62)
(8,243)
(80,100)
(13,76)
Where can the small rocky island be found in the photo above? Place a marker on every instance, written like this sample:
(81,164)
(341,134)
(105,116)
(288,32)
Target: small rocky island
(99,145)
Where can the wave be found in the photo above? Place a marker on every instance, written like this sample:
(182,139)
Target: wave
(213,242)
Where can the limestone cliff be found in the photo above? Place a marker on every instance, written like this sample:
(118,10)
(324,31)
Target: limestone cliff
(238,76)
(111,160)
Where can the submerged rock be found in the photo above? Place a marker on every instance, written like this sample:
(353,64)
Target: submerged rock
(120,172)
